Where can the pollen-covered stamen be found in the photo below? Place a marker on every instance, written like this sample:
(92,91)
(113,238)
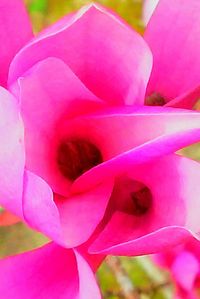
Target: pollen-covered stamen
(155,99)
(142,201)
(76,156)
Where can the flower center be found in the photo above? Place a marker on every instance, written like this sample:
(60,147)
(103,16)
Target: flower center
(155,99)
(131,197)
(141,201)
(76,156)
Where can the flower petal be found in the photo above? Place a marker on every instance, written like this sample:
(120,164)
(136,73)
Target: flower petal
(60,221)
(48,272)
(133,136)
(186,100)
(185,278)
(162,239)
(38,198)
(93,41)
(172,35)
(45,103)
(15,31)
(175,207)
(11,154)
(90,208)
(87,285)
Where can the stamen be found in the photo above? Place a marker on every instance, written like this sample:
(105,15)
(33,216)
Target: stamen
(142,201)
(76,156)
(155,99)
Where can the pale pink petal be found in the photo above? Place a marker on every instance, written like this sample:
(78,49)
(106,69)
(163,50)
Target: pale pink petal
(132,136)
(49,272)
(39,208)
(173,36)
(80,214)
(11,154)
(189,188)
(44,104)
(183,263)
(110,58)
(59,222)
(185,269)
(164,238)
(88,288)
(15,31)
(148,9)
(144,153)
(173,182)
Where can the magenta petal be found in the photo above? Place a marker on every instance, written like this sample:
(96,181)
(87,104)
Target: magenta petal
(127,143)
(165,238)
(141,154)
(15,31)
(173,36)
(174,210)
(185,278)
(186,100)
(80,214)
(93,41)
(49,272)
(88,288)
(11,154)
(62,95)
(39,208)
(44,104)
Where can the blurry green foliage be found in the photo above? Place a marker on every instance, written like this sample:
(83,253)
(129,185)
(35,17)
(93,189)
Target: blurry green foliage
(45,12)
(19,238)
(38,6)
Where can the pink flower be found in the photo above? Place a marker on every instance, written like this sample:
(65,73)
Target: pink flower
(184,264)
(158,209)
(172,34)
(76,138)
(15,32)
(71,84)
(50,272)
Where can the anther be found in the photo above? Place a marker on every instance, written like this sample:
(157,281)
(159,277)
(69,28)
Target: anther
(142,201)
(155,99)
(76,156)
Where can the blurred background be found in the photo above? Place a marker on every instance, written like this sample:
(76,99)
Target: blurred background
(117,276)
(44,12)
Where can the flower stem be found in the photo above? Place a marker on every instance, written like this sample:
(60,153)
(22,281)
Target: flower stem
(127,288)
(157,276)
